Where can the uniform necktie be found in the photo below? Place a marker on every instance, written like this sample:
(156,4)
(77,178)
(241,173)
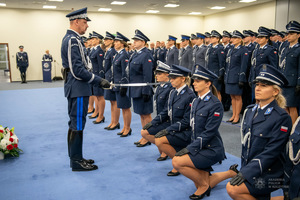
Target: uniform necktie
(257,111)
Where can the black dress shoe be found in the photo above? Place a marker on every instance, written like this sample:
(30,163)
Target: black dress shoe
(113,128)
(106,127)
(143,145)
(91,111)
(91,117)
(170,173)
(102,121)
(234,168)
(235,122)
(136,143)
(80,165)
(129,133)
(162,158)
(120,133)
(201,196)
(89,161)
(229,120)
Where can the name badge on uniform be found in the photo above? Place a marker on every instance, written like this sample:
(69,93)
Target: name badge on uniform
(206,98)
(268,111)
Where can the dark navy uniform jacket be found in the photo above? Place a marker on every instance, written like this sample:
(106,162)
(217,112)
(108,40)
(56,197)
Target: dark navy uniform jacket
(205,120)
(200,55)
(108,57)
(292,166)
(215,59)
(97,57)
(22,59)
(265,55)
(289,64)
(120,63)
(227,47)
(263,140)
(161,96)
(186,59)
(161,54)
(140,71)
(236,65)
(250,47)
(178,111)
(74,57)
(172,56)
(47,57)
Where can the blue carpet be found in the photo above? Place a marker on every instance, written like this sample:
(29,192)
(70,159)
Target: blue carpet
(42,171)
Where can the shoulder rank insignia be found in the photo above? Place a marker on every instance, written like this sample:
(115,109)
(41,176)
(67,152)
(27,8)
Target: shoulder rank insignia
(268,111)
(165,86)
(207,98)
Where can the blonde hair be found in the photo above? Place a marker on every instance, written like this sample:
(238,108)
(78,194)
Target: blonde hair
(280,99)
(187,81)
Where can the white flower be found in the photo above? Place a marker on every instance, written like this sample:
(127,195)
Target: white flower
(15,139)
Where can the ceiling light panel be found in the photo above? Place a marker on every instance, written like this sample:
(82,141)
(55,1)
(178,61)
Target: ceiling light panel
(104,9)
(49,7)
(152,11)
(118,3)
(2,4)
(217,7)
(57,0)
(195,13)
(246,1)
(171,5)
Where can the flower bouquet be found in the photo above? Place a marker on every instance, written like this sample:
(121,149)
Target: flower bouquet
(9,142)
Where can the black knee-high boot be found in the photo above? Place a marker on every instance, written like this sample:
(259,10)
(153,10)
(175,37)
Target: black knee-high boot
(24,77)
(77,162)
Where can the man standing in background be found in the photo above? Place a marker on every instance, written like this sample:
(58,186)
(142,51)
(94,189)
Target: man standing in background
(22,63)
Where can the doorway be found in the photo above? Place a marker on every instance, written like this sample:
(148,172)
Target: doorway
(5,75)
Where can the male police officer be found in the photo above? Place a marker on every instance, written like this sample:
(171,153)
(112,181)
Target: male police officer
(22,63)
(77,86)
(47,56)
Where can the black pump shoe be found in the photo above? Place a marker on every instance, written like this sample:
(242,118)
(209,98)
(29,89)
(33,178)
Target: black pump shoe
(162,158)
(89,161)
(113,128)
(91,111)
(234,168)
(235,122)
(80,165)
(129,133)
(143,145)
(120,133)
(102,121)
(136,143)
(207,193)
(91,117)
(170,173)
(229,120)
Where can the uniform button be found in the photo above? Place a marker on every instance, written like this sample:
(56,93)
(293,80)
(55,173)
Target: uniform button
(201,114)
(177,107)
(269,170)
(208,145)
(292,140)
(260,134)
(173,131)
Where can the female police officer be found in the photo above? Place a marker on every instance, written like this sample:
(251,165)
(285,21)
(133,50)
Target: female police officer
(96,57)
(206,148)
(215,60)
(290,66)
(140,71)
(119,75)
(178,134)
(161,97)
(235,75)
(265,131)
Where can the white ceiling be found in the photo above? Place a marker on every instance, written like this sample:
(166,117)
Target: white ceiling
(136,6)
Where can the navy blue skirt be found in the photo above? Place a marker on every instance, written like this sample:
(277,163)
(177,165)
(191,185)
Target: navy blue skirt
(205,158)
(176,142)
(122,102)
(110,95)
(233,89)
(142,108)
(261,189)
(292,100)
(156,128)
(97,91)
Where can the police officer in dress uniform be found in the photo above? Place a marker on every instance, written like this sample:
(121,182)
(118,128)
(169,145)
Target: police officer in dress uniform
(172,54)
(186,58)
(235,74)
(161,96)
(140,71)
(119,76)
(265,130)
(47,56)
(161,53)
(96,56)
(110,94)
(22,63)
(206,148)
(207,38)
(199,57)
(178,134)
(215,60)
(289,64)
(247,94)
(292,166)
(77,86)
(263,54)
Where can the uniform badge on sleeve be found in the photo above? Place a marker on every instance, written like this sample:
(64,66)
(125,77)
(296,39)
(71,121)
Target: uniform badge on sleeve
(217,114)
(101,54)
(126,60)
(284,129)
(149,60)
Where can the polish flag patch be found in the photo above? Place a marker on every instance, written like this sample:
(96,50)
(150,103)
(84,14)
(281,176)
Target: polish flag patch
(149,60)
(216,114)
(275,52)
(222,52)
(284,129)
(100,54)
(190,105)
(126,60)
(246,54)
